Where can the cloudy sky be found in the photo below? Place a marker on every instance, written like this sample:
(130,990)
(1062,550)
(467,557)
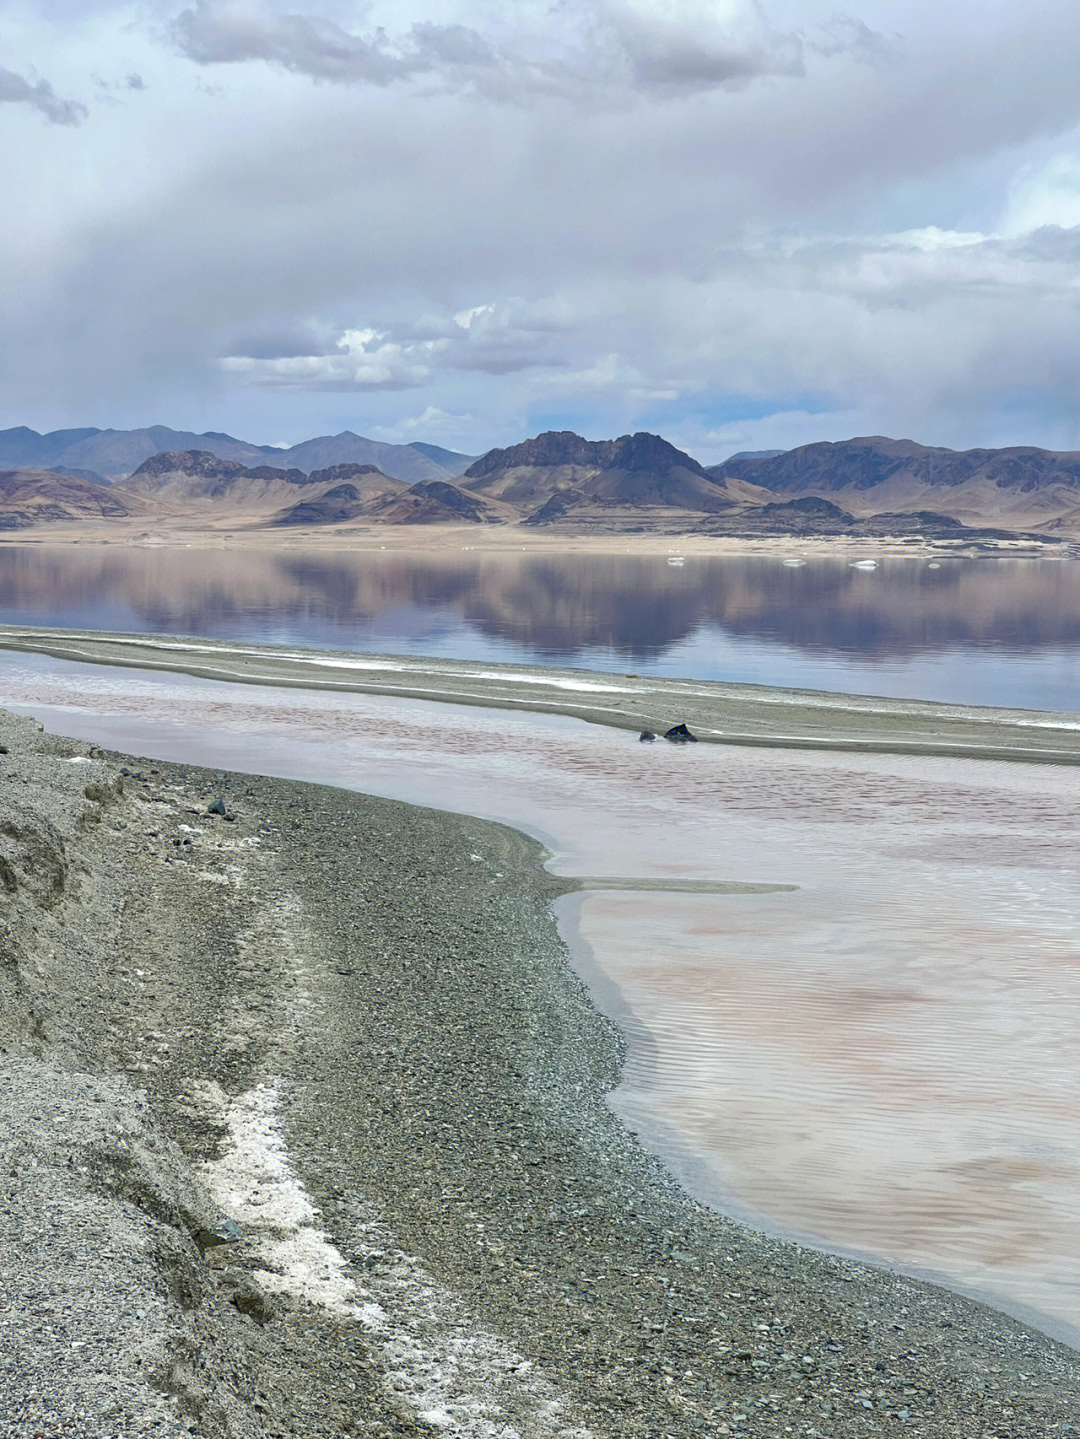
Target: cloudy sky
(740,224)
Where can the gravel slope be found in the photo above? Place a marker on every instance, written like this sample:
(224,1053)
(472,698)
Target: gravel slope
(302,1132)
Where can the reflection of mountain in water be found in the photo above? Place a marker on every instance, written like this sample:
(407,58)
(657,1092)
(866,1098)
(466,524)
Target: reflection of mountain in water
(555,607)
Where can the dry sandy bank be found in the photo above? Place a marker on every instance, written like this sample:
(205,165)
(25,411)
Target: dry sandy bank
(236,531)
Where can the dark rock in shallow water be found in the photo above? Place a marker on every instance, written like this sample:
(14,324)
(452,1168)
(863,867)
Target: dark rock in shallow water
(679,734)
(646,736)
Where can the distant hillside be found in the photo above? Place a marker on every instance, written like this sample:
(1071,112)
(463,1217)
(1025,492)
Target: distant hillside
(1019,487)
(196,483)
(115,454)
(339,494)
(435,502)
(410,463)
(191,481)
(31,497)
(23,447)
(451,461)
(632,472)
(861,488)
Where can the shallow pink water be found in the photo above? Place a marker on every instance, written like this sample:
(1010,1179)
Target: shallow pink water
(885,1060)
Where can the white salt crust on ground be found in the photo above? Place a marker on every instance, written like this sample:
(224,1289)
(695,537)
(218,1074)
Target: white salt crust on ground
(445,1368)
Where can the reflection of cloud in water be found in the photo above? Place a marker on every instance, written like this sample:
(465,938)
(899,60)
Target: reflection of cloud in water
(885,1059)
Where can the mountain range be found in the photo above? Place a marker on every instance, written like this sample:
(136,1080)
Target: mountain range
(111,455)
(861,487)
(1016,487)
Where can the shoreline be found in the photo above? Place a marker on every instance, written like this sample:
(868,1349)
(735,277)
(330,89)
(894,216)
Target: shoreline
(717,712)
(237,532)
(391,982)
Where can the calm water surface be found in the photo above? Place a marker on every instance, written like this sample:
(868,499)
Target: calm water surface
(1003,632)
(883,1060)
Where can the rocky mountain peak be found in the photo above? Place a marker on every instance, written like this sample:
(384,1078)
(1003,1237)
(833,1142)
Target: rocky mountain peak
(190,462)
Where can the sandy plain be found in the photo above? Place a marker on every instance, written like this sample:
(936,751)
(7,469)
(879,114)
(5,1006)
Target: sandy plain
(237,531)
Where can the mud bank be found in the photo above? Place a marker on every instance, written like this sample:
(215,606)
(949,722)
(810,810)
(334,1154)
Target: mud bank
(732,714)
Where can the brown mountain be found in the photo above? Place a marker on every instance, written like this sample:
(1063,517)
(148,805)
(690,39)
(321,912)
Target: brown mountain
(1021,487)
(340,494)
(30,497)
(633,472)
(434,502)
(197,482)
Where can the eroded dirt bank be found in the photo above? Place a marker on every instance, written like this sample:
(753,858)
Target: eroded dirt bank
(302,1132)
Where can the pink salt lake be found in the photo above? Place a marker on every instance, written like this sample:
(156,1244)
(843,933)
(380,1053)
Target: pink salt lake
(883,1060)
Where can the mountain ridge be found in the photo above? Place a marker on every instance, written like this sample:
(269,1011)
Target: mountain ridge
(1017,485)
(631,472)
(560,479)
(113,455)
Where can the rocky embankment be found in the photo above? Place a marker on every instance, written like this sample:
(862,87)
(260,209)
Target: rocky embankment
(303,1132)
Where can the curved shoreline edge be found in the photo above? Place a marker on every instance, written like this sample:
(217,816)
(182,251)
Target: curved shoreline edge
(718,713)
(393,980)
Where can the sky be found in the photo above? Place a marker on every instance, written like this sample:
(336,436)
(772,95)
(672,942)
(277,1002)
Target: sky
(742,225)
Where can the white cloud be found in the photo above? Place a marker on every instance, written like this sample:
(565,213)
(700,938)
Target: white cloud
(641,239)
(363,360)
(1045,194)
(432,425)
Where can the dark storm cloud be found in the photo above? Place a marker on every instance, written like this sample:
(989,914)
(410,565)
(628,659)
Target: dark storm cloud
(667,51)
(221,32)
(611,47)
(42,97)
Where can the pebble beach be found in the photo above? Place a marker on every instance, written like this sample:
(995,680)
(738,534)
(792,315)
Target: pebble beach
(304,1132)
